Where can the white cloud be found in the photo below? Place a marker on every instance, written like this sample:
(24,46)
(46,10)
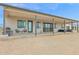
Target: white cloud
(26,5)
(16,4)
(52,6)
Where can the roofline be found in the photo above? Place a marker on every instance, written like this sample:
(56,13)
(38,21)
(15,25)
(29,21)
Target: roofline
(2,4)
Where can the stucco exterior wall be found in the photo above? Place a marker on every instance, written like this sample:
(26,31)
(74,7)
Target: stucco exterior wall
(12,23)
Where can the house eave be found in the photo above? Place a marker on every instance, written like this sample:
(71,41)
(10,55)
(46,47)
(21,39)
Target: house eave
(5,5)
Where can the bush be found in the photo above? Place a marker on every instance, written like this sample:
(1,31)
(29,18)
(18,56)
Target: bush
(25,30)
(17,31)
(8,29)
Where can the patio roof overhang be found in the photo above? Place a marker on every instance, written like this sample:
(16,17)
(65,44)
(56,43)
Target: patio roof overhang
(30,14)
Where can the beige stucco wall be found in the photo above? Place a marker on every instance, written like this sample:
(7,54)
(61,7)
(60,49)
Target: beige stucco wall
(12,23)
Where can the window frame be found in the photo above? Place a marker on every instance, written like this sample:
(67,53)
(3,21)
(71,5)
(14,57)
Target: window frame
(20,25)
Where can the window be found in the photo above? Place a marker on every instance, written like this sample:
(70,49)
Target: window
(47,27)
(68,27)
(21,23)
(38,25)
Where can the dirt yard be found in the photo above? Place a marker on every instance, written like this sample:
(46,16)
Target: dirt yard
(42,45)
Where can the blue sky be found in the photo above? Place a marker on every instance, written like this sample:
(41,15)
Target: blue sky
(68,10)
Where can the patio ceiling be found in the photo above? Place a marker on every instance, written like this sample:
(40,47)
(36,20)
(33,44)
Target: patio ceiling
(17,13)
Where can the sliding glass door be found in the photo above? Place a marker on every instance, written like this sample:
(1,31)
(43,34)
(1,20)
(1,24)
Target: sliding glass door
(47,27)
(30,26)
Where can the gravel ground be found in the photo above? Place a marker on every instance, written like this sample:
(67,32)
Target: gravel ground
(66,44)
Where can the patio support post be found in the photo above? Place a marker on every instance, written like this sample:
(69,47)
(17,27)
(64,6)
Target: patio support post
(4,32)
(53,26)
(35,25)
(50,26)
(77,26)
(64,26)
(72,25)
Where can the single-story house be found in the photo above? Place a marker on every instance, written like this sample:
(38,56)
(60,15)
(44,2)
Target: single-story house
(20,20)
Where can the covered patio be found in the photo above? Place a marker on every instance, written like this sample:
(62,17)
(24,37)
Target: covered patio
(36,23)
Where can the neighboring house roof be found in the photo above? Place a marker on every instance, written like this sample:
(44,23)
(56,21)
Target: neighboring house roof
(36,12)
